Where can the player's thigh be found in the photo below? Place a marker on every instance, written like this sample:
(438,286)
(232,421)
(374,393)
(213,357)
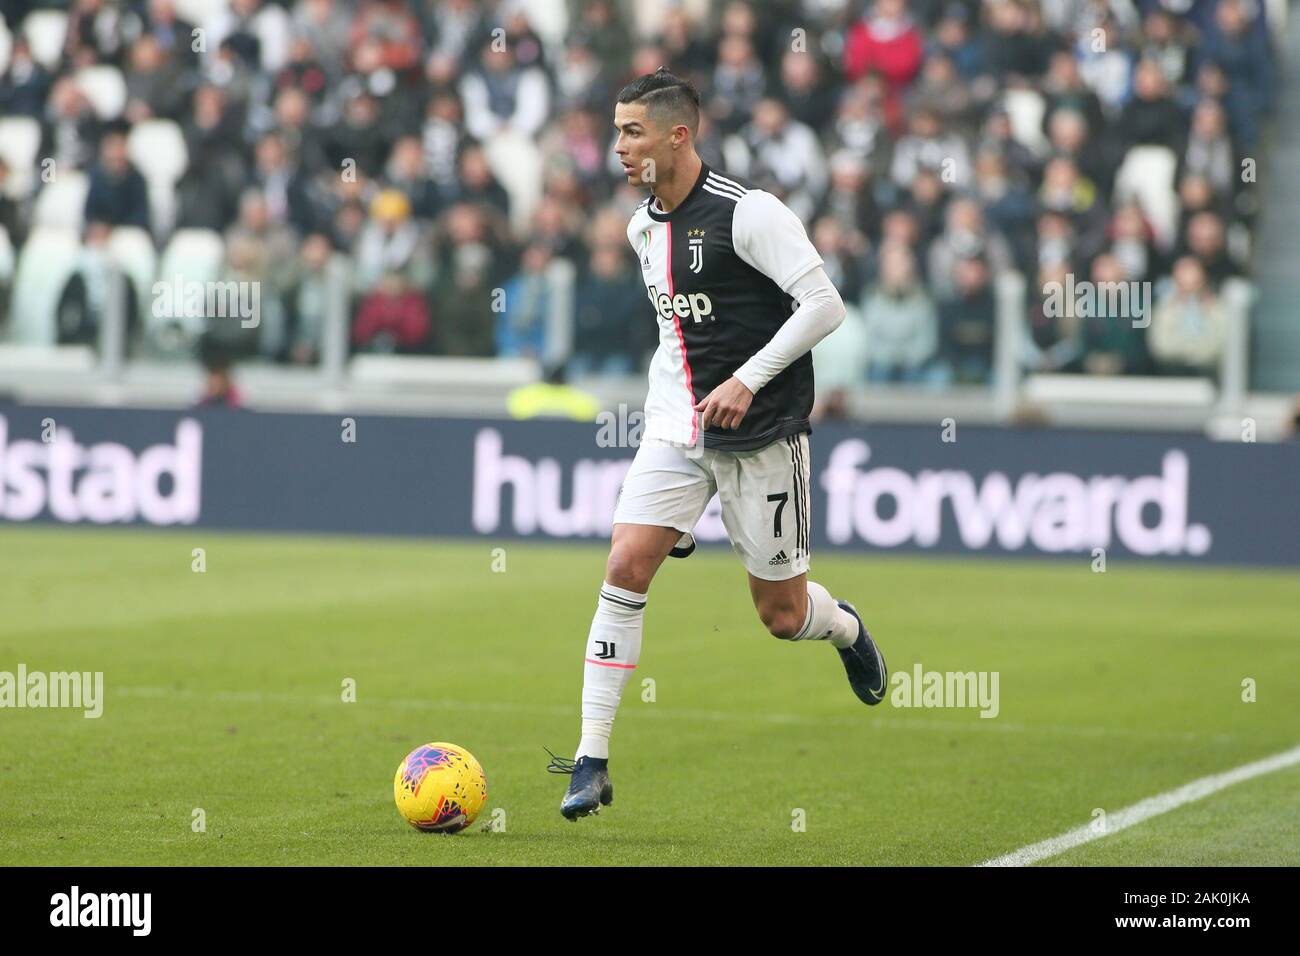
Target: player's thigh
(663,496)
(765,507)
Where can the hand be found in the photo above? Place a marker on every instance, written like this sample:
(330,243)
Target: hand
(726,405)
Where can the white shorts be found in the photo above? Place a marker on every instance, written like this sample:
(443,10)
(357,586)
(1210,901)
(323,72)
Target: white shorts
(764,497)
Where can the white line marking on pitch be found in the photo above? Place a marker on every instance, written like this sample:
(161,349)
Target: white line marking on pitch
(1146,809)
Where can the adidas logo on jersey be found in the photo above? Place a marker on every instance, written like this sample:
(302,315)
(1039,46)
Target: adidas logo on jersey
(780,558)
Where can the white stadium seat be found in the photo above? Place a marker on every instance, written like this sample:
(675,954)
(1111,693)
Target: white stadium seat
(44,266)
(192,255)
(46,31)
(1025,110)
(1147,175)
(516,162)
(131,249)
(105,88)
(157,148)
(200,11)
(61,203)
(6,257)
(6,46)
(20,141)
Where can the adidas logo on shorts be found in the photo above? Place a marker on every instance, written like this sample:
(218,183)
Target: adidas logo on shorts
(780,558)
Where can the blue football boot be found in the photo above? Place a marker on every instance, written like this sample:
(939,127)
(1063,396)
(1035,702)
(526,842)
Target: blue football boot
(868,675)
(589,789)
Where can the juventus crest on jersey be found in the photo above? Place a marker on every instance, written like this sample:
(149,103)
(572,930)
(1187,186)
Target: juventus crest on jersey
(717,269)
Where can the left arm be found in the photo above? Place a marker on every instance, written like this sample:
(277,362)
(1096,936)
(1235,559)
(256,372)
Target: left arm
(819,314)
(768,236)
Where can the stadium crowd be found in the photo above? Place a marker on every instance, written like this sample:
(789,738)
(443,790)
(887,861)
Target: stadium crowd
(449,162)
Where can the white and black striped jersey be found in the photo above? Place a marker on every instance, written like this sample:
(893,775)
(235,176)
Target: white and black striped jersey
(717,270)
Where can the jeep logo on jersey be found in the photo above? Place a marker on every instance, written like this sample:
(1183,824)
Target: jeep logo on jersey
(695,305)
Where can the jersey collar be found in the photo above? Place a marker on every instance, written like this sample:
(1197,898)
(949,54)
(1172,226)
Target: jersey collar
(660,216)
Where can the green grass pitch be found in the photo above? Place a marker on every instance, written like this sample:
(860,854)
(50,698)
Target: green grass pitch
(223,691)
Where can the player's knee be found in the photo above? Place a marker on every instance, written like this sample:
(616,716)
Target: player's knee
(626,569)
(781,622)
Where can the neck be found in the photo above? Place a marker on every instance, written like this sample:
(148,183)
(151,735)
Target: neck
(671,191)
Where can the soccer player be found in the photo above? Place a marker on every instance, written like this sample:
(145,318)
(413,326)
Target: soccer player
(740,297)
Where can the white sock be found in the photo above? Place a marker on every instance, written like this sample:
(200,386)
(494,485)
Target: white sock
(613,650)
(826,620)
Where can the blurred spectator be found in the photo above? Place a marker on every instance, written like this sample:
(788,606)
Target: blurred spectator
(953,37)
(886,41)
(606,296)
(860,119)
(1189,324)
(783,155)
(85,299)
(1113,340)
(156,84)
(846,267)
(1206,241)
(1106,65)
(118,195)
(738,84)
(1014,42)
(322,274)
(943,93)
(99,32)
(384,36)
(476,184)
(393,242)
(71,130)
(1053,340)
(965,236)
(1007,204)
(849,201)
(174,35)
(967,321)
(532,323)
(902,329)
(1168,41)
(467,302)
(25,85)
(502,94)
(1151,117)
(323,26)
(1131,243)
(1096,159)
(1244,56)
(928,146)
(269,246)
(804,91)
(1065,89)
(1068,193)
(219,389)
(405,173)
(1209,151)
(393,317)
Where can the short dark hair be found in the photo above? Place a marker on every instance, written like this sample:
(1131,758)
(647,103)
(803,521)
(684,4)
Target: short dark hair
(671,99)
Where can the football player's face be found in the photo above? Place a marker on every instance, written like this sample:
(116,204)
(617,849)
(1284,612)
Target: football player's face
(641,145)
